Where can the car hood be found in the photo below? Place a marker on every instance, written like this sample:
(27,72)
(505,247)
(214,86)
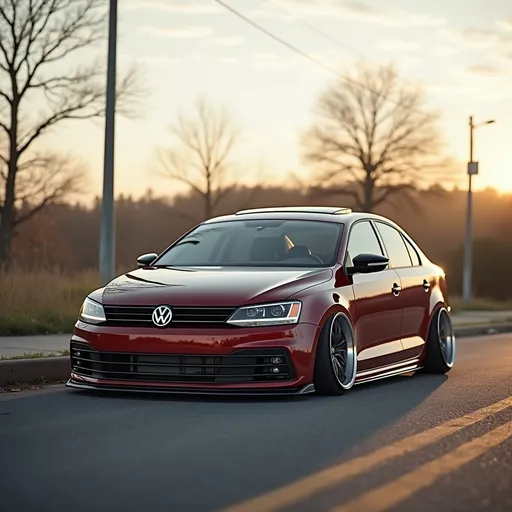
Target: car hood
(217,287)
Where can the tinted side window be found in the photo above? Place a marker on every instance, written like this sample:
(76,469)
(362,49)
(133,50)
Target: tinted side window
(416,262)
(395,245)
(362,239)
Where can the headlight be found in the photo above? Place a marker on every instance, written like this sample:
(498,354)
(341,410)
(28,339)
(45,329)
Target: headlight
(280,313)
(92,312)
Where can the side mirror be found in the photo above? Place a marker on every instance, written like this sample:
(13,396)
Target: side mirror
(146,259)
(368,263)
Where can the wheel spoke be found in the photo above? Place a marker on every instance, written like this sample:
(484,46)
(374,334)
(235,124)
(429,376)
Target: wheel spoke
(342,354)
(342,359)
(338,368)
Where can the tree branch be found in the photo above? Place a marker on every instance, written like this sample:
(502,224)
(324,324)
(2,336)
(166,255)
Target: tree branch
(200,156)
(364,135)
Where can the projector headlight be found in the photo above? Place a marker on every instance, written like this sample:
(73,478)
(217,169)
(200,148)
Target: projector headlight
(92,312)
(280,313)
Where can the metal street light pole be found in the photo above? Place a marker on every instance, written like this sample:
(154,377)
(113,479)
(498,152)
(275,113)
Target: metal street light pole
(468,256)
(107,236)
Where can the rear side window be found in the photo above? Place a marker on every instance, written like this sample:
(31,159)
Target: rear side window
(416,262)
(395,246)
(362,239)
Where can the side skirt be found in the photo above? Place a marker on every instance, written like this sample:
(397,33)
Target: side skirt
(387,371)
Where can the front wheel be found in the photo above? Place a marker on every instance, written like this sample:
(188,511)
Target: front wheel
(440,344)
(336,357)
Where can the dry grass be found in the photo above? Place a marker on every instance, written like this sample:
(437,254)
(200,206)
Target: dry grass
(42,302)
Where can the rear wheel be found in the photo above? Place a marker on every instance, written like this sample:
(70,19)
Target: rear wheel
(440,344)
(336,357)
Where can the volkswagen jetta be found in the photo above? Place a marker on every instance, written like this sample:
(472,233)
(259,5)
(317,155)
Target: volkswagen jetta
(268,301)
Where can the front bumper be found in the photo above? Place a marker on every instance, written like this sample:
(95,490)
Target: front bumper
(249,361)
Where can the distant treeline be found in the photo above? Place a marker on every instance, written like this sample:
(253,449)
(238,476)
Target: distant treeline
(66,236)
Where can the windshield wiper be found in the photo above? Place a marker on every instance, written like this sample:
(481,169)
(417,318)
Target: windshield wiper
(195,242)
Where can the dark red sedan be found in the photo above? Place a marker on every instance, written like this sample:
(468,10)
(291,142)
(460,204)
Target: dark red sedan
(269,301)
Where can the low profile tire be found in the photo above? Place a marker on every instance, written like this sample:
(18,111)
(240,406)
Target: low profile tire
(440,344)
(336,357)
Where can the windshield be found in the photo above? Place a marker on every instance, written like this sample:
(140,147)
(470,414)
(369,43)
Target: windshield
(257,243)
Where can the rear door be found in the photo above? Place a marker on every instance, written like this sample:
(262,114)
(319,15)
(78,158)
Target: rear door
(376,311)
(416,286)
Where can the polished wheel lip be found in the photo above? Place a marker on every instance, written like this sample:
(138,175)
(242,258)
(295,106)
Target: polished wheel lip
(342,352)
(446,337)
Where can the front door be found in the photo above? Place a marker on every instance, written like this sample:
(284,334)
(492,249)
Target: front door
(377,307)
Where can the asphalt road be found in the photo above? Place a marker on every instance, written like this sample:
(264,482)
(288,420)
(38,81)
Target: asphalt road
(63,450)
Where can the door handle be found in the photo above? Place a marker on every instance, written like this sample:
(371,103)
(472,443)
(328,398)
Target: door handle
(426,285)
(396,290)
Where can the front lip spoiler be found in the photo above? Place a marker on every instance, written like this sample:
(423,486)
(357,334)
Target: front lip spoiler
(305,390)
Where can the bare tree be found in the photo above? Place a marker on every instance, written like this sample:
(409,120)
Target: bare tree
(201,155)
(43,180)
(38,90)
(373,139)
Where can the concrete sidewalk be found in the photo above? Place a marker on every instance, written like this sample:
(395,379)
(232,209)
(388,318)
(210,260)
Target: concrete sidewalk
(55,343)
(48,344)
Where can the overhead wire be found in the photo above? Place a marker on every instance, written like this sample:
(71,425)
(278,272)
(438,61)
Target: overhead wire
(334,40)
(305,55)
(331,38)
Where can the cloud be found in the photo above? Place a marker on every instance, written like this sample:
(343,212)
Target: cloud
(271,61)
(159,60)
(484,69)
(505,25)
(444,51)
(397,45)
(186,32)
(228,60)
(179,6)
(358,11)
(264,57)
(469,37)
(228,41)
(472,37)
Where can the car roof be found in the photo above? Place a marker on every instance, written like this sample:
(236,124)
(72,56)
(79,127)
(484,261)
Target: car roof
(324,213)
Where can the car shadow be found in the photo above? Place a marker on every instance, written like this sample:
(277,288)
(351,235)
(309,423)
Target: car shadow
(299,435)
(364,388)
(201,452)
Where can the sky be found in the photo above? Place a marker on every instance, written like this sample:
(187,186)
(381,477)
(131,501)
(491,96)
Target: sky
(459,50)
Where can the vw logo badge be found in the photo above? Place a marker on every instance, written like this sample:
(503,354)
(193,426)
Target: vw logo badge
(161,316)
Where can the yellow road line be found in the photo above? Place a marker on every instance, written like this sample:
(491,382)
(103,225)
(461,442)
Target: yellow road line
(313,484)
(399,490)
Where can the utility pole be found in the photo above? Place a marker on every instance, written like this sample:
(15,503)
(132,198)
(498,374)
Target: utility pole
(468,256)
(107,236)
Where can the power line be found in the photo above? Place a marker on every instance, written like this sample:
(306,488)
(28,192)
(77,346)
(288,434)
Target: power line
(331,38)
(312,59)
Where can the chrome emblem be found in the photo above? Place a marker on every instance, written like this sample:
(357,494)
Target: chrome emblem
(161,316)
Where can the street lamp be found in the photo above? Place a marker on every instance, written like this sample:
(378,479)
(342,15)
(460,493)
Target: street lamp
(472,171)
(107,236)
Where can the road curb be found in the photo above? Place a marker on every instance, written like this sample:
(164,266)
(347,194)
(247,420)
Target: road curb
(27,371)
(482,330)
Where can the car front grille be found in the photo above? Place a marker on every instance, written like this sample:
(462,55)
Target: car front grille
(181,316)
(238,367)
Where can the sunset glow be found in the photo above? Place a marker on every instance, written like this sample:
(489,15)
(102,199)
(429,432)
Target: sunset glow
(461,54)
